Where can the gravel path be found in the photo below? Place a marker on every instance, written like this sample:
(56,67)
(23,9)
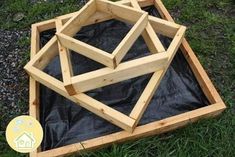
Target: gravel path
(13,79)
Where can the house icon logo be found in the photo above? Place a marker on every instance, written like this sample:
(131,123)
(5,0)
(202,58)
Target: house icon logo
(25,141)
(24,134)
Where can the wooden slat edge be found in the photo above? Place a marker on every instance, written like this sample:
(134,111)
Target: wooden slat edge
(33,85)
(40,60)
(79,18)
(124,71)
(87,50)
(65,63)
(146,96)
(130,38)
(155,80)
(150,37)
(118,10)
(153,128)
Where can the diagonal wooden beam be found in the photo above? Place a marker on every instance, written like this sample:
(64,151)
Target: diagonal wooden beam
(155,80)
(65,63)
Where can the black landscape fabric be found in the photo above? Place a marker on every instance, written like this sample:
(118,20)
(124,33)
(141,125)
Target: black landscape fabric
(65,122)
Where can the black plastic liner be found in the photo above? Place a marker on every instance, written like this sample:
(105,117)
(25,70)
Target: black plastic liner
(65,122)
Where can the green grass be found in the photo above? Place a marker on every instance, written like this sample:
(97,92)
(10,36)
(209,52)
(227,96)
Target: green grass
(33,12)
(211,34)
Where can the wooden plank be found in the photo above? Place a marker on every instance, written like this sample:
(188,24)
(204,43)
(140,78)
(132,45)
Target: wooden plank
(150,129)
(150,37)
(87,50)
(124,71)
(35,41)
(84,100)
(34,103)
(146,96)
(135,4)
(155,80)
(65,62)
(118,10)
(97,17)
(163,27)
(75,23)
(175,43)
(202,77)
(45,55)
(45,25)
(123,47)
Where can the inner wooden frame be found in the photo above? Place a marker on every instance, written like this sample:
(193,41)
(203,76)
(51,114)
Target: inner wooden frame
(139,19)
(153,128)
(107,76)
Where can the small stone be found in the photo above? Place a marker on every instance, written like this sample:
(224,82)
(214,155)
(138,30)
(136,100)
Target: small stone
(18,17)
(13,64)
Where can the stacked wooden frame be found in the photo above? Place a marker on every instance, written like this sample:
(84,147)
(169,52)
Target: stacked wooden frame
(39,59)
(74,86)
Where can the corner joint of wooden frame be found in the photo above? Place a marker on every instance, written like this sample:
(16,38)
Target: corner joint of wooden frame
(70,89)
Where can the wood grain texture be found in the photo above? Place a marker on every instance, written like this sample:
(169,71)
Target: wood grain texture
(150,129)
(83,100)
(34,108)
(65,63)
(124,71)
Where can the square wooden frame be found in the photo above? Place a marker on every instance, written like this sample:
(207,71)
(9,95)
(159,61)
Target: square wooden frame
(66,33)
(126,70)
(167,124)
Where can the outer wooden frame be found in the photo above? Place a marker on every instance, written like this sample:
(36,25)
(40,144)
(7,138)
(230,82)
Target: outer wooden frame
(167,124)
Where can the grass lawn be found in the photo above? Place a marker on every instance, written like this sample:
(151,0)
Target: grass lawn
(211,34)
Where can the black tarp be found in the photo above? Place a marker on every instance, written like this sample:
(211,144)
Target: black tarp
(65,122)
